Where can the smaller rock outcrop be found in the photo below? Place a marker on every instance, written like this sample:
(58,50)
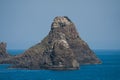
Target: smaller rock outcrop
(3,52)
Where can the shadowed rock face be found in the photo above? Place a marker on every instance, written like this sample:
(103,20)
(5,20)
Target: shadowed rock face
(62,48)
(3,52)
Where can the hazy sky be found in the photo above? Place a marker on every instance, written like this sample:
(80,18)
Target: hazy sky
(24,23)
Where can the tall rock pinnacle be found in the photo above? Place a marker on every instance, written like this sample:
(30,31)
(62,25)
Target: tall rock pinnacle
(62,48)
(3,52)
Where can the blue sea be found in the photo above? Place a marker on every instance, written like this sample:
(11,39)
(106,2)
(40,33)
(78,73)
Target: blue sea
(108,70)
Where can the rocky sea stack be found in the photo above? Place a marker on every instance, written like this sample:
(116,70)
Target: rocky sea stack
(3,52)
(61,49)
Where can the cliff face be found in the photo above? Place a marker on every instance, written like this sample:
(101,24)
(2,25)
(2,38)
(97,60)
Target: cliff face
(62,48)
(3,52)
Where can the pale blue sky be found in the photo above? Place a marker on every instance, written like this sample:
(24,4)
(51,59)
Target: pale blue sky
(24,23)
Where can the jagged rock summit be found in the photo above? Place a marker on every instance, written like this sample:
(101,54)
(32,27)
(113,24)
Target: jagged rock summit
(61,49)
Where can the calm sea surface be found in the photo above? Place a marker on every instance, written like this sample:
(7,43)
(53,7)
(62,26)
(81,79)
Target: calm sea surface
(108,70)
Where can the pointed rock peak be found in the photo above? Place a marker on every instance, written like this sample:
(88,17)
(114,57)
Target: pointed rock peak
(60,21)
(62,24)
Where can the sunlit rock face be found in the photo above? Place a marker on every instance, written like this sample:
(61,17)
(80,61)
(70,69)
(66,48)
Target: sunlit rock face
(60,22)
(61,49)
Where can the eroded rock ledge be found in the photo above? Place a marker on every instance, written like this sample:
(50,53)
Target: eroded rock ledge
(61,49)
